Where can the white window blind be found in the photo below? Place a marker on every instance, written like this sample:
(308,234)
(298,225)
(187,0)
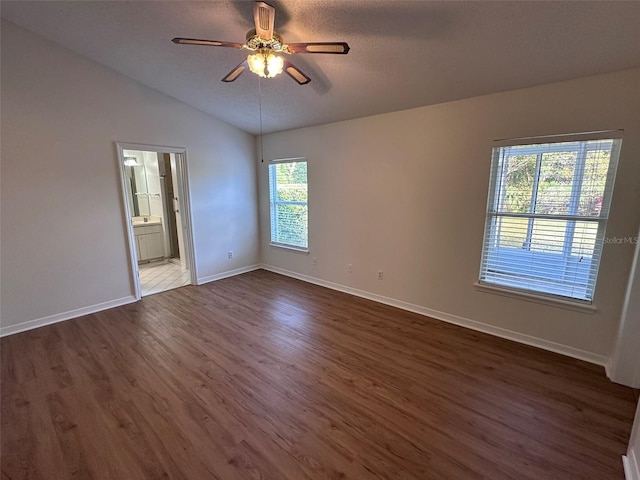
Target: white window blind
(547,212)
(288,202)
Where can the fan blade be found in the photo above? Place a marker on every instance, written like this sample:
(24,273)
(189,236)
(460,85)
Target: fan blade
(295,73)
(210,43)
(340,48)
(264,16)
(235,73)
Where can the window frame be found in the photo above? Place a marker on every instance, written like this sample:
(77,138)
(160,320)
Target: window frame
(274,202)
(497,189)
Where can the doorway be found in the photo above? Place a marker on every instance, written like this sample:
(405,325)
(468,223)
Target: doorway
(155,193)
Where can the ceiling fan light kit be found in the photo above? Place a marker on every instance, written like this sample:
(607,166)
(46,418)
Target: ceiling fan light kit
(266,43)
(265,64)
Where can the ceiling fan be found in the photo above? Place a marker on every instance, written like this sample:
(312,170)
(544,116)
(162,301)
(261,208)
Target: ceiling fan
(266,43)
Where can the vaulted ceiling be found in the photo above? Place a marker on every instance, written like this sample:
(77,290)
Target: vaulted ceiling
(404,54)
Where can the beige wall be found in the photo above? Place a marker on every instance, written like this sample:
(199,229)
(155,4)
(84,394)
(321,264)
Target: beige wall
(406,193)
(64,245)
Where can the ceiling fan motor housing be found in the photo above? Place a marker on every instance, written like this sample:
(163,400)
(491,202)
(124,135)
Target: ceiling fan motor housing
(255,42)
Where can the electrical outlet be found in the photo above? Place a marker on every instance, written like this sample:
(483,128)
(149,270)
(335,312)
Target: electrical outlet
(349,268)
(230,254)
(315,261)
(380,275)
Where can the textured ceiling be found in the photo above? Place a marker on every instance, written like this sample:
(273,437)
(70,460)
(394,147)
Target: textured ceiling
(404,54)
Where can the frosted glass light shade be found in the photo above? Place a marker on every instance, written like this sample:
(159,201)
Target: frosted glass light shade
(265,65)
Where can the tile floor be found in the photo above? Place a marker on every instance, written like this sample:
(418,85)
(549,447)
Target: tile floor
(160,276)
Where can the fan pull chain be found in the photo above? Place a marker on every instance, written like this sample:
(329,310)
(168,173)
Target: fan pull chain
(260,109)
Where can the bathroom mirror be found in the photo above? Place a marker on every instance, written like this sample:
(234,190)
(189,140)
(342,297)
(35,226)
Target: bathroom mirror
(139,186)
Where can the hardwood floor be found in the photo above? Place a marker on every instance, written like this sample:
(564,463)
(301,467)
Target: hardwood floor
(260,376)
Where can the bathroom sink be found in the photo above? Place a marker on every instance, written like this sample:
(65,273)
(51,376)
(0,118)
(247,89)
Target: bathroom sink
(139,223)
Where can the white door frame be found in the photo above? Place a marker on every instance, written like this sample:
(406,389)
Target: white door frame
(183,199)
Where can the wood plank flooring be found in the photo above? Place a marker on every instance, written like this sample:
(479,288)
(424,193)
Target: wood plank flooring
(260,376)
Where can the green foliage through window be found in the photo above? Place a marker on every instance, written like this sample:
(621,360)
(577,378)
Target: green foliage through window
(547,214)
(288,198)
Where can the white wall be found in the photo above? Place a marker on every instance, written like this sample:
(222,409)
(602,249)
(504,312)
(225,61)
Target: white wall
(632,460)
(624,364)
(406,193)
(64,246)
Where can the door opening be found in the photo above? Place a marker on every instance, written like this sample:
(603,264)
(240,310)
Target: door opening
(155,191)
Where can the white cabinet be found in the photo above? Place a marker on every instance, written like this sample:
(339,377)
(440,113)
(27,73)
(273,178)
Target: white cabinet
(149,242)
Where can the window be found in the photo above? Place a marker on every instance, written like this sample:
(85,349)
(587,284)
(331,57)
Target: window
(546,215)
(288,203)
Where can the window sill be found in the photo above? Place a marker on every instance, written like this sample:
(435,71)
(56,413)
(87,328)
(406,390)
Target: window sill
(290,247)
(536,298)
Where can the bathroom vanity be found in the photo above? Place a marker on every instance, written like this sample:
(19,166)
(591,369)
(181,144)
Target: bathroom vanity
(149,238)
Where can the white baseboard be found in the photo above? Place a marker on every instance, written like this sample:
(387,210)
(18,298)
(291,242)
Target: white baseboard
(230,273)
(449,318)
(61,317)
(631,467)
(446,317)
